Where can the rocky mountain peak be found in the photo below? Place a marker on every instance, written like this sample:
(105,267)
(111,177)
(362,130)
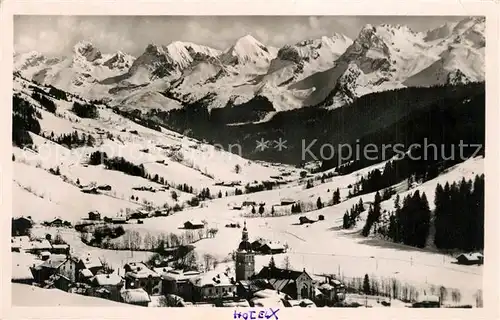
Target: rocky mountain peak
(87,50)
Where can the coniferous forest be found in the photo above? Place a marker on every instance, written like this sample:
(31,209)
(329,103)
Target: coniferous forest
(458,217)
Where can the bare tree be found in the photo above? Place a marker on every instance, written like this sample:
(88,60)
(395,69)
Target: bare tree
(479,298)
(207,258)
(443,293)
(456,296)
(286,263)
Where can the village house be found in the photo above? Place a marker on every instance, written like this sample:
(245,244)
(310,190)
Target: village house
(264,246)
(89,190)
(269,298)
(139,214)
(20,273)
(305,220)
(470,258)
(43,272)
(44,255)
(69,268)
(37,246)
(60,249)
(94,215)
(84,276)
(107,286)
(105,187)
(119,219)
(194,224)
(19,243)
(56,223)
(304,303)
(178,282)
(21,226)
(91,263)
(248,203)
(212,286)
(138,275)
(427,301)
(297,284)
(287,201)
(138,297)
(247,288)
(331,291)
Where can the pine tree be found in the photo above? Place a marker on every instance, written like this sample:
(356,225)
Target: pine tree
(336,196)
(319,204)
(272,264)
(345,223)
(439,217)
(261,210)
(361,207)
(366,285)
(424,222)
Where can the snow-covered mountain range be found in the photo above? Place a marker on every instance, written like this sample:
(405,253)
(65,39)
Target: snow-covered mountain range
(328,72)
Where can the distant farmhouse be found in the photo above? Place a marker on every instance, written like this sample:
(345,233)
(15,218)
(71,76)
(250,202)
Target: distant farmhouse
(194,224)
(139,276)
(470,258)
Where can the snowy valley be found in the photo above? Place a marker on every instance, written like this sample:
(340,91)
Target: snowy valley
(138,179)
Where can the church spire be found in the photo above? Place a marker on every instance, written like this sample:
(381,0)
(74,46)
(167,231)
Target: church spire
(244,233)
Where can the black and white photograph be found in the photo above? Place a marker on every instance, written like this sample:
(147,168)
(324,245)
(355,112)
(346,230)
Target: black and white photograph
(248,162)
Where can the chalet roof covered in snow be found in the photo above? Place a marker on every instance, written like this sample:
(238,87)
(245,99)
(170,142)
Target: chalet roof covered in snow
(135,296)
(37,245)
(267,302)
(139,270)
(277,273)
(274,245)
(270,294)
(212,278)
(86,273)
(54,262)
(107,279)
(428,298)
(60,246)
(180,275)
(20,266)
(162,271)
(90,261)
(474,256)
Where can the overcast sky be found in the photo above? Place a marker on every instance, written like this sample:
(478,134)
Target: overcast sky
(131,34)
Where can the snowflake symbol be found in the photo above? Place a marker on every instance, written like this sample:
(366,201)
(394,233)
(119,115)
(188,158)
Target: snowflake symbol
(280,144)
(262,144)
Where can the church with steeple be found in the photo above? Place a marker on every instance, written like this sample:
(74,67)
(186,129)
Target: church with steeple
(245,257)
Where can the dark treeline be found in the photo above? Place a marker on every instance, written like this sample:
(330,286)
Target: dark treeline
(85,110)
(351,217)
(47,103)
(122,165)
(438,131)
(390,117)
(72,140)
(459,215)
(117,164)
(24,119)
(374,213)
(57,93)
(137,117)
(410,223)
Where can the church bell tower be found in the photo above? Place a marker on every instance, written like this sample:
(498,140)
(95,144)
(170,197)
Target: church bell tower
(245,257)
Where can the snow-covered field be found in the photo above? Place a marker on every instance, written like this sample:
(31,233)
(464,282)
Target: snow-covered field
(30,296)
(321,247)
